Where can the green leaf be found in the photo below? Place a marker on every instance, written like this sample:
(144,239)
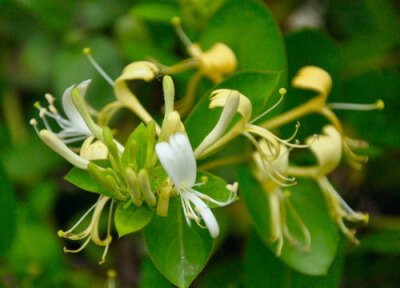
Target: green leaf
(82,179)
(151,277)
(257,86)
(262,266)
(8,212)
(214,187)
(156,12)
(178,251)
(309,203)
(260,45)
(251,31)
(129,219)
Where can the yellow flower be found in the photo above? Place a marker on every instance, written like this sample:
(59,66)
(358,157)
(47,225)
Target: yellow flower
(328,151)
(271,175)
(316,79)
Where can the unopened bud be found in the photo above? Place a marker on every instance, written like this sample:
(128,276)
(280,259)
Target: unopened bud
(144,184)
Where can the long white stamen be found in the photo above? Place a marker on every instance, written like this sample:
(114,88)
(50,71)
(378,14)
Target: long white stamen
(282,92)
(181,34)
(378,105)
(294,133)
(86,51)
(83,217)
(74,139)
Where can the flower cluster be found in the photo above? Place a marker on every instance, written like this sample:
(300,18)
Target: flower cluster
(130,173)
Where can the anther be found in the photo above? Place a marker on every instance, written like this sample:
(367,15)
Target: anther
(49,98)
(33,122)
(60,234)
(42,112)
(282,91)
(204,179)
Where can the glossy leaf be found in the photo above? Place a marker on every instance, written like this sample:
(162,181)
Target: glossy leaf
(128,218)
(257,86)
(82,179)
(178,251)
(309,204)
(264,269)
(250,30)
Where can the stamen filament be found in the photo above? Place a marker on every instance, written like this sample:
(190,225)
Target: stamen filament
(176,21)
(378,105)
(282,92)
(86,51)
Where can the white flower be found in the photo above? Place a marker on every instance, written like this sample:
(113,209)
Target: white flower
(178,160)
(73,128)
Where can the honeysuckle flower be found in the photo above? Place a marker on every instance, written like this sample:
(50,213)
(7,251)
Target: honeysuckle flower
(244,126)
(216,62)
(316,79)
(177,158)
(140,70)
(271,175)
(73,127)
(92,231)
(213,64)
(135,71)
(328,151)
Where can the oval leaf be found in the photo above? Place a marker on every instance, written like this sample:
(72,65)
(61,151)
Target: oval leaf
(178,251)
(129,219)
(82,179)
(250,30)
(262,266)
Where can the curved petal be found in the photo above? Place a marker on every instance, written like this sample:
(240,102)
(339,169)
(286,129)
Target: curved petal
(206,214)
(218,99)
(327,149)
(70,110)
(313,78)
(178,160)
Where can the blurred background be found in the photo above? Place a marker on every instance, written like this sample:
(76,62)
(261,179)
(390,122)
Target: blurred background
(357,41)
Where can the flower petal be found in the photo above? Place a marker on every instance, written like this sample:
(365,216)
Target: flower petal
(206,214)
(70,110)
(178,160)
